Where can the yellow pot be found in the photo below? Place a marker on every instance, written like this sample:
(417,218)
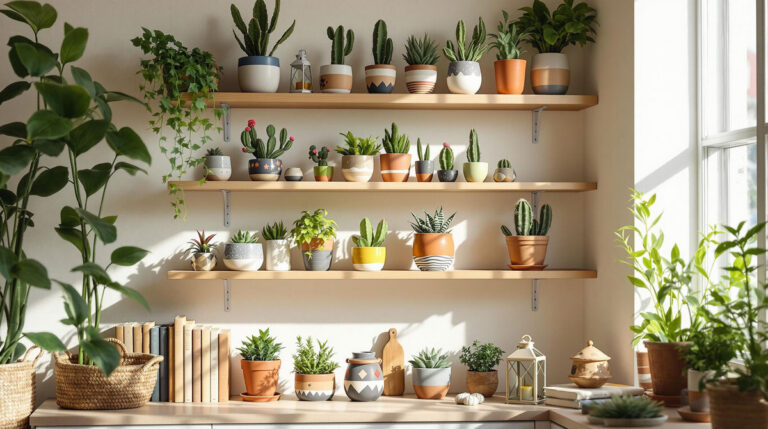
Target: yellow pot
(369,258)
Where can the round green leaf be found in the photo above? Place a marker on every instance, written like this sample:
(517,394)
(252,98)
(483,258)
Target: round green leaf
(33,13)
(36,60)
(14,129)
(73,45)
(49,147)
(87,135)
(31,272)
(126,142)
(46,341)
(128,255)
(45,124)
(13,159)
(93,179)
(13,90)
(69,101)
(50,181)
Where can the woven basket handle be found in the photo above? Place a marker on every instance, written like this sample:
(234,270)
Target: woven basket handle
(153,361)
(39,353)
(120,348)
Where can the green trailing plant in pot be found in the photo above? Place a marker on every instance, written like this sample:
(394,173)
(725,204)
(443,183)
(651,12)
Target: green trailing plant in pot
(314,380)
(337,76)
(425,168)
(464,76)
(396,162)
(380,76)
(712,349)
(218,167)
(266,165)
(201,249)
(178,85)
(244,253)
(528,246)
(314,234)
(474,169)
(481,359)
(259,70)
(368,253)
(421,72)
(357,157)
(447,173)
(433,248)
(550,32)
(504,172)
(509,67)
(323,172)
(260,364)
(628,411)
(431,372)
(278,247)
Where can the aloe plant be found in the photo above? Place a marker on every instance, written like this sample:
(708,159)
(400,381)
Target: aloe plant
(394,142)
(367,238)
(525,224)
(507,39)
(464,51)
(256,34)
(276,231)
(421,51)
(358,145)
(382,45)
(446,157)
(339,48)
(245,237)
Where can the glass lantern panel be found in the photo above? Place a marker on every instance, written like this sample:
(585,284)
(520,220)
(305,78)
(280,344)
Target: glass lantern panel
(522,375)
(542,366)
(301,77)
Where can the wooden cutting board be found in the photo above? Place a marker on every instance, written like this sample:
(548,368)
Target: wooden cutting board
(393,364)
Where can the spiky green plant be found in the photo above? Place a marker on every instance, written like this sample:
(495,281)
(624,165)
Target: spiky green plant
(214,151)
(276,231)
(473,151)
(367,238)
(359,145)
(382,45)
(525,224)
(245,237)
(394,142)
(421,51)
(627,407)
(430,358)
(432,224)
(423,155)
(256,35)
(507,39)
(307,360)
(340,49)
(446,157)
(319,157)
(463,51)
(254,145)
(261,348)
(202,244)
(504,163)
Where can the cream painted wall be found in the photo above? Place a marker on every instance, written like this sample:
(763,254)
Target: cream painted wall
(352,316)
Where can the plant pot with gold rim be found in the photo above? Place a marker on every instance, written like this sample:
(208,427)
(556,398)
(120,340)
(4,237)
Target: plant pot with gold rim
(322,171)
(433,248)
(337,76)
(314,234)
(396,162)
(481,359)
(368,253)
(528,248)
(260,364)
(266,165)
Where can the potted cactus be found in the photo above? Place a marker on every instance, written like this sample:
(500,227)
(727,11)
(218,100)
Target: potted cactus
(528,248)
(314,380)
(244,253)
(509,67)
(260,364)
(314,234)
(425,168)
(218,167)
(337,76)
(368,253)
(278,247)
(201,249)
(258,71)
(380,76)
(446,173)
(481,360)
(396,162)
(323,171)
(433,248)
(357,157)
(421,71)
(431,372)
(266,165)
(474,169)
(464,76)
(504,172)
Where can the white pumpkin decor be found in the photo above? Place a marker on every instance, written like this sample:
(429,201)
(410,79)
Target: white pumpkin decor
(470,399)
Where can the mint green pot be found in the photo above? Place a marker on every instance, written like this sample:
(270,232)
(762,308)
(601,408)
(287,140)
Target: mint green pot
(475,171)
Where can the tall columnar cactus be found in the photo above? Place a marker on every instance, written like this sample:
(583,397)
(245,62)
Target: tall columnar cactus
(423,154)
(319,156)
(525,224)
(473,151)
(382,45)
(367,238)
(446,157)
(394,142)
(340,49)
(504,163)
(254,145)
(256,33)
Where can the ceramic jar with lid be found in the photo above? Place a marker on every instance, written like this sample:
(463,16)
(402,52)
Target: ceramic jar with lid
(364,379)
(590,367)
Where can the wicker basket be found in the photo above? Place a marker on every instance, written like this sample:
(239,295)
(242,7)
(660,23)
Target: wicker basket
(17,391)
(85,387)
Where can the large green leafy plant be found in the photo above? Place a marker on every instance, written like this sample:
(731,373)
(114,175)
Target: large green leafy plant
(72,116)
(481,357)
(553,31)
(313,225)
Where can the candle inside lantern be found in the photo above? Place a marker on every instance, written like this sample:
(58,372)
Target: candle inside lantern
(526,393)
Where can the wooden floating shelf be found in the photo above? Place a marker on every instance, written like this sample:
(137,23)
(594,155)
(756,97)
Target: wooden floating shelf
(529,102)
(383,275)
(310,186)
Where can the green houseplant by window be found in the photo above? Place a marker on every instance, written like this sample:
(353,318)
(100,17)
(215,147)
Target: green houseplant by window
(314,234)
(481,360)
(260,363)
(314,379)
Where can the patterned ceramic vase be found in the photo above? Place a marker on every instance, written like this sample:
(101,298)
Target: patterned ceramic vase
(395,167)
(315,387)
(475,171)
(431,383)
(421,78)
(336,78)
(203,261)
(380,78)
(294,174)
(447,175)
(550,74)
(243,256)
(433,252)
(464,77)
(357,168)
(265,169)
(504,175)
(364,380)
(425,170)
(218,167)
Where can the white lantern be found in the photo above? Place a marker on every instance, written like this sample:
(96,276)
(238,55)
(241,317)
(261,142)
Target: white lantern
(526,374)
(301,74)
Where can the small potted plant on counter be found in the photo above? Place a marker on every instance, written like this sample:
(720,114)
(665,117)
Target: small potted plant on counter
(369,254)
(323,171)
(380,76)
(431,374)
(218,167)
(357,157)
(314,234)
(267,165)
(528,248)
(626,411)
(244,253)
(396,162)
(421,71)
(433,248)
(474,169)
(504,172)
(464,76)
(314,380)
(278,247)
(258,71)
(480,361)
(425,168)
(337,76)
(509,67)
(260,365)
(201,249)
(446,173)
(712,349)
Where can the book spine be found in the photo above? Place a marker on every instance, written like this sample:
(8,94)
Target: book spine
(154,348)
(119,336)
(224,339)
(205,375)
(197,365)
(145,337)
(214,365)
(188,362)
(128,333)
(178,358)
(171,364)
(137,341)
(163,373)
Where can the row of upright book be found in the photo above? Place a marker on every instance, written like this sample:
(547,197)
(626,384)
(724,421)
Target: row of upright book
(195,367)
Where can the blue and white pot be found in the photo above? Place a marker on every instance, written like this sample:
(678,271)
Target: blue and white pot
(243,256)
(258,74)
(464,77)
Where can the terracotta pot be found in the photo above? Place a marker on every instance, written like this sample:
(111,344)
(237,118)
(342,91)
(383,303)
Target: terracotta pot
(260,376)
(528,249)
(730,408)
(484,383)
(315,387)
(510,76)
(667,367)
(431,383)
(395,167)
(380,78)
(433,252)
(421,78)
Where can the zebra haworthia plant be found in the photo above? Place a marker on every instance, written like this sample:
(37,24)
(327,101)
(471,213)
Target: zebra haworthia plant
(382,45)
(255,39)
(525,224)
(432,224)
(367,238)
(339,48)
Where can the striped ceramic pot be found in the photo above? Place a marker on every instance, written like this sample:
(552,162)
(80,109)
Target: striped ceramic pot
(265,169)
(369,258)
(336,78)
(357,168)
(464,77)
(395,167)
(431,383)
(433,252)
(380,78)
(314,387)
(424,170)
(243,256)
(364,380)
(258,74)
(550,74)
(421,78)
(218,168)
(293,174)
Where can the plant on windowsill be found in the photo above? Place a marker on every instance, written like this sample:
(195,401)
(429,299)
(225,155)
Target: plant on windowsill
(357,157)
(314,234)
(368,253)
(260,364)
(480,361)
(278,247)
(314,379)
(431,372)
(712,348)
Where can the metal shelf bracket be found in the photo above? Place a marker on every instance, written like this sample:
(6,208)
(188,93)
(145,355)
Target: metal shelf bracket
(536,123)
(227,209)
(227,296)
(227,121)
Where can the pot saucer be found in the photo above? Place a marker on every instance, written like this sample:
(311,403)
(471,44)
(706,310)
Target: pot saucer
(672,401)
(693,416)
(527,267)
(248,398)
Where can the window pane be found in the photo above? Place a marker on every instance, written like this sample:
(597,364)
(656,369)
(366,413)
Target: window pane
(731,185)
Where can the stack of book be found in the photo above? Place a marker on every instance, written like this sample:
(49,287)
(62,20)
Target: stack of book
(573,396)
(196,364)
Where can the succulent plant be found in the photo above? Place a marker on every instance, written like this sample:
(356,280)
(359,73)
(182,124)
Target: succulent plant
(261,348)
(245,237)
(359,145)
(254,145)
(507,39)
(421,51)
(319,156)
(308,361)
(627,407)
(525,224)
(463,51)
(430,358)
(202,244)
(367,237)
(504,163)
(214,151)
(394,142)
(423,155)
(382,45)
(340,49)
(256,33)
(276,231)
(446,157)
(432,224)
(473,151)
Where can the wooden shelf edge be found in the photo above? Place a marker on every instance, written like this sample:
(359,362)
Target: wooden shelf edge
(384,275)
(310,186)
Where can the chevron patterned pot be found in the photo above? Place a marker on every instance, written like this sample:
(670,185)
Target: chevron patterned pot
(380,78)
(433,252)
(364,381)
(315,387)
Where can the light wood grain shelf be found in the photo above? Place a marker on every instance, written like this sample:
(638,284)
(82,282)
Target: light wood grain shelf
(310,186)
(383,275)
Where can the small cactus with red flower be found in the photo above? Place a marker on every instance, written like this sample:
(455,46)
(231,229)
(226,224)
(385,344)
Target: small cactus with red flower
(319,156)
(256,146)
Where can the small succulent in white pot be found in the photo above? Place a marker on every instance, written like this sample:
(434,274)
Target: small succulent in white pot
(278,247)
(218,167)
(201,249)
(244,253)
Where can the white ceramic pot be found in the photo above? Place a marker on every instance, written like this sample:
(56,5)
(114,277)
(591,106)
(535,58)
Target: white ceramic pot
(336,78)
(278,255)
(464,77)
(357,168)
(258,74)
(243,256)
(219,167)
(421,78)
(550,74)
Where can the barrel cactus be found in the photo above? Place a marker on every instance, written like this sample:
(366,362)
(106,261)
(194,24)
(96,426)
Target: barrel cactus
(525,224)
(504,163)
(446,157)
(320,156)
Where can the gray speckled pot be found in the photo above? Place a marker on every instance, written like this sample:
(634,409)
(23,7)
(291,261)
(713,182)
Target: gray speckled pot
(319,261)
(447,175)
(219,167)
(243,256)
(364,379)
(464,77)
(424,170)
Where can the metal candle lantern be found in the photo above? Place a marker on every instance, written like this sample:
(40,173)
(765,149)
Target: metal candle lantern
(526,372)
(301,74)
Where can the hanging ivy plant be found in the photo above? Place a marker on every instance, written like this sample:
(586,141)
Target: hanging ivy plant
(178,85)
